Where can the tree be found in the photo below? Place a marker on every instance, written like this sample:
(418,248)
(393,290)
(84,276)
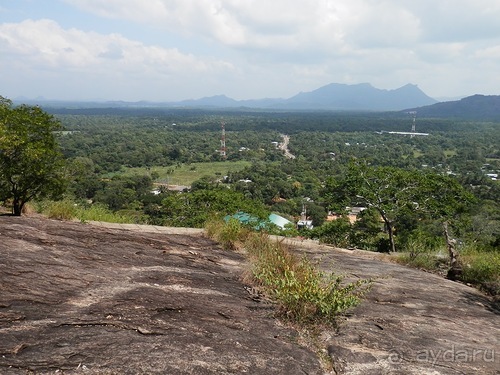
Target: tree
(336,232)
(397,194)
(194,209)
(316,213)
(31,165)
(84,182)
(125,192)
(442,197)
(385,189)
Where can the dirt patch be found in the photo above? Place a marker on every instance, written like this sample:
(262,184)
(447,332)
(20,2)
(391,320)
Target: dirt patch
(80,298)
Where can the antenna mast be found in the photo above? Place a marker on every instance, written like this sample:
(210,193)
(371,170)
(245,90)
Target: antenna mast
(414,113)
(223,141)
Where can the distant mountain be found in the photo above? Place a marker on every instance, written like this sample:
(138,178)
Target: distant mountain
(333,97)
(219,101)
(476,107)
(360,97)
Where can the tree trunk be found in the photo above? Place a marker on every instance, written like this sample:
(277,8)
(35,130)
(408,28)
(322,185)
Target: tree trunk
(390,230)
(17,207)
(455,270)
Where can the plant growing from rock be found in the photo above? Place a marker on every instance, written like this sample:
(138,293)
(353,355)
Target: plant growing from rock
(303,293)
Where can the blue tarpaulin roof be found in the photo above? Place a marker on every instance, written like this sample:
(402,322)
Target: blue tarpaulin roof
(279,221)
(245,218)
(257,223)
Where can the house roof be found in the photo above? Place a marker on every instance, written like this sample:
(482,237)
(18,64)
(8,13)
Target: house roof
(278,220)
(246,218)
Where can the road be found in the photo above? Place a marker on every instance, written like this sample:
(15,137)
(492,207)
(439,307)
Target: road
(284,146)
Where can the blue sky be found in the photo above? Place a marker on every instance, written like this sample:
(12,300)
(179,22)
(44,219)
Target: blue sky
(169,50)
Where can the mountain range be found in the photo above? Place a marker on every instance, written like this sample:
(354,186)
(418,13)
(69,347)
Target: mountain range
(332,97)
(475,107)
(335,96)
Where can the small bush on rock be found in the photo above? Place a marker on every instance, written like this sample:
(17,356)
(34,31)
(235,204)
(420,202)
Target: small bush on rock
(303,293)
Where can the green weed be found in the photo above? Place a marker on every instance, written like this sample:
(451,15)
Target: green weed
(68,210)
(303,293)
(418,255)
(60,210)
(99,212)
(230,234)
(481,268)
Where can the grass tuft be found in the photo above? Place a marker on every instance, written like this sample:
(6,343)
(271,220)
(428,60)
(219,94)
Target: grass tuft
(478,267)
(303,293)
(69,210)
(482,268)
(231,234)
(99,212)
(60,210)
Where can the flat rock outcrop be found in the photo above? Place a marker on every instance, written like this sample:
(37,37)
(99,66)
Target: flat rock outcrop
(77,298)
(411,322)
(126,299)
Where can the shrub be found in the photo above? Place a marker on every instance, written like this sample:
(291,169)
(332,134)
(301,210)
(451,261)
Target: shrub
(478,267)
(482,268)
(99,212)
(303,293)
(336,232)
(429,260)
(68,210)
(382,244)
(59,210)
(229,234)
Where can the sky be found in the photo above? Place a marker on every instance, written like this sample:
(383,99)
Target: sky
(172,50)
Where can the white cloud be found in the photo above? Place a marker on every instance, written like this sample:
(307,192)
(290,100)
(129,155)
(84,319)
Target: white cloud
(47,44)
(257,24)
(458,20)
(136,10)
(43,46)
(302,30)
(256,48)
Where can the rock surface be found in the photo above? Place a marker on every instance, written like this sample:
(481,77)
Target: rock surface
(79,298)
(412,322)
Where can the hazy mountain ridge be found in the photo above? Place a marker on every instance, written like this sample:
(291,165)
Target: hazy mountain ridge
(360,97)
(334,96)
(475,107)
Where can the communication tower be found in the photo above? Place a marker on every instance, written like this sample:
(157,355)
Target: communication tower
(413,132)
(223,141)
(414,114)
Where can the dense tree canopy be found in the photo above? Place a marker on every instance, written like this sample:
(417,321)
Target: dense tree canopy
(194,209)
(103,144)
(414,189)
(31,165)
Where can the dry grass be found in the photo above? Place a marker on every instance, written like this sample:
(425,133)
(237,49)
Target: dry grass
(303,293)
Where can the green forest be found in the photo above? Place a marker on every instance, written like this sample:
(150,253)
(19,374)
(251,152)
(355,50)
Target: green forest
(423,197)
